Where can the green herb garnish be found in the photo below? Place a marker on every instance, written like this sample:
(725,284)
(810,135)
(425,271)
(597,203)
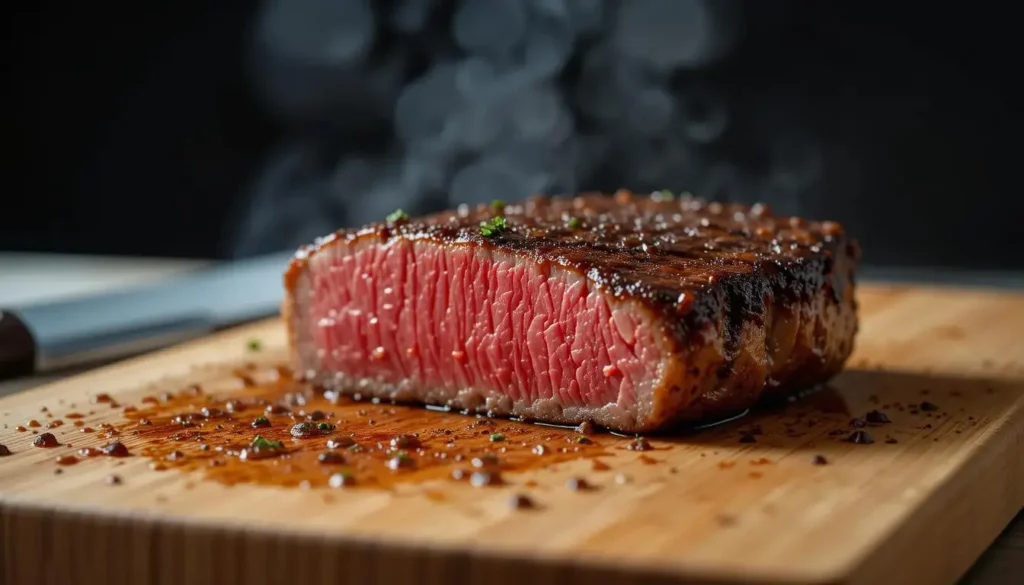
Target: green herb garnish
(325,427)
(574,223)
(493,226)
(583,440)
(498,204)
(254,344)
(261,421)
(497,437)
(402,454)
(397,216)
(262,443)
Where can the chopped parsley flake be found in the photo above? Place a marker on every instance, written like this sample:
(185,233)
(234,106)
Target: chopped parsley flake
(262,443)
(261,421)
(397,216)
(583,440)
(497,437)
(325,427)
(493,226)
(498,204)
(254,344)
(574,223)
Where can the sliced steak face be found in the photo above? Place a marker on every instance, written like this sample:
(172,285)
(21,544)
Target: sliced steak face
(634,312)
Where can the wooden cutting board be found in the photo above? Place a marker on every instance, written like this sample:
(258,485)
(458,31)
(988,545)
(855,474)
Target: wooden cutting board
(742,502)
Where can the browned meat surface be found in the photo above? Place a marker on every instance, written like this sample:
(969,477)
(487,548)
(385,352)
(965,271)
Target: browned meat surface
(635,312)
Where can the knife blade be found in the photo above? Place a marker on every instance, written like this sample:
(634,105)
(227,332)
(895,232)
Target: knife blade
(55,335)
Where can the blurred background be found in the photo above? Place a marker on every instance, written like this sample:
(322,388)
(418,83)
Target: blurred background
(230,129)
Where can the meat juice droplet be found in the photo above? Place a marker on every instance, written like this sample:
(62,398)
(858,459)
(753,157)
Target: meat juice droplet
(46,440)
(115,449)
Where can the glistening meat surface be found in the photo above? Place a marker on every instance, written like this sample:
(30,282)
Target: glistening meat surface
(634,312)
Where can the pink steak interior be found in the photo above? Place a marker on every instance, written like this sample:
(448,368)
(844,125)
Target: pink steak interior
(450,319)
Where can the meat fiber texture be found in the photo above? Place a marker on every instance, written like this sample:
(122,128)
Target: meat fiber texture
(633,312)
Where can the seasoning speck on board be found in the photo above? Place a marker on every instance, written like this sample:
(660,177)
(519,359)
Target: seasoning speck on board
(303,430)
(342,479)
(401,461)
(405,442)
(485,478)
(876,417)
(331,458)
(578,484)
(521,502)
(860,438)
(340,442)
(586,428)
(639,444)
(485,460)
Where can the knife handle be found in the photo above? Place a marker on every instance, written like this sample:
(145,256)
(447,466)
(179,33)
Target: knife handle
(17,347)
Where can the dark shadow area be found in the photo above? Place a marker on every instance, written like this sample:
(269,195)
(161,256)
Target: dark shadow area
(921,409)
(235,128)
(1003,564)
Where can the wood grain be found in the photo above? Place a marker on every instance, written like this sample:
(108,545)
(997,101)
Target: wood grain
(919,511)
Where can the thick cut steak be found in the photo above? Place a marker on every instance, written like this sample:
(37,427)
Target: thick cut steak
(633,312)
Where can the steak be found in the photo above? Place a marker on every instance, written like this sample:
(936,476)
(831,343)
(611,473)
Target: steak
(634,312)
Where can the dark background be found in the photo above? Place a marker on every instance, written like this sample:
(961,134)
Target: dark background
(140,130)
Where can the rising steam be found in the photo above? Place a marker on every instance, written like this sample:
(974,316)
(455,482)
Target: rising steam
(425,104)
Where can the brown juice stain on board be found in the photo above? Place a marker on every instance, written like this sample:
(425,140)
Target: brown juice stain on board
(376,444)
(212,433)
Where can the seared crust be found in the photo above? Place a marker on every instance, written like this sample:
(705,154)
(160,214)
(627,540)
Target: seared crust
(749,303)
